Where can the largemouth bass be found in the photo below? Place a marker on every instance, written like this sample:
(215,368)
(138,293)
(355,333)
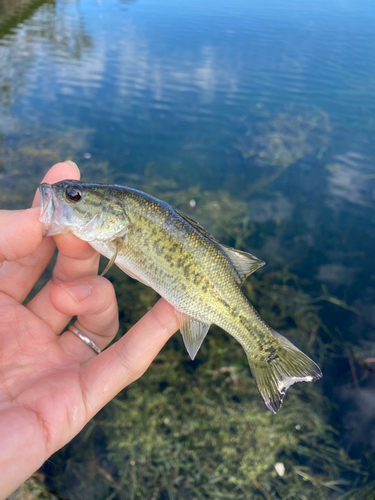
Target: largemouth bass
(165,249)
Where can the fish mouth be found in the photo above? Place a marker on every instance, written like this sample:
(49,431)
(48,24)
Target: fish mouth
(50,211)
(47,208)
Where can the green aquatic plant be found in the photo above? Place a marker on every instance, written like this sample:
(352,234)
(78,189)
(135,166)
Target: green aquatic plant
(217,211)
(364,492)
(198,429)
(34,489)
(27,154)
(286,138)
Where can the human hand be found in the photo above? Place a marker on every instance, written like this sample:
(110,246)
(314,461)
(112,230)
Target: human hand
(51,385)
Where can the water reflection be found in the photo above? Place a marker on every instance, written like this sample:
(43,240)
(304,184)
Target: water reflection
(278,209)
(13,12)
(36,34)
(335,274)
(351,180)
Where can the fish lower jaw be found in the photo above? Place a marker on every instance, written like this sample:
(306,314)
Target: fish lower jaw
(53,229)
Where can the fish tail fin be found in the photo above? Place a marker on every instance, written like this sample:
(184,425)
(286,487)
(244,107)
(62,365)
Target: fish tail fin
(277,371)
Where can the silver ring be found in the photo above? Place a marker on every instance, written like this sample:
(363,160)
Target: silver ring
(85,339)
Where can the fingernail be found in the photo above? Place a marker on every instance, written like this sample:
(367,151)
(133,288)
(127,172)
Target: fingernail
(79,290)
(72,164)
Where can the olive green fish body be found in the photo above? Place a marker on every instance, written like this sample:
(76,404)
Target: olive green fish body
(190,271)
(166,250)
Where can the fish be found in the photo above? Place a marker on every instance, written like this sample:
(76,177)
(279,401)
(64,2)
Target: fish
(170,252)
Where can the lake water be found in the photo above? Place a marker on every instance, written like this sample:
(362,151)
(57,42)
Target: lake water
(263,113)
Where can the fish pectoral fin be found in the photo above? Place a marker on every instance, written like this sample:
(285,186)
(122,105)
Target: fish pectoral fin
(278,370)
(118,243)
(244,262)
(193,332)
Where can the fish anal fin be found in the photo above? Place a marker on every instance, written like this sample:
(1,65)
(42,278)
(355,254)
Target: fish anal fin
(277,372)
(193,332)
(244,262)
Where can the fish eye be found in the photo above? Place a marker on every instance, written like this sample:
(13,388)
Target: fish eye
(73,194)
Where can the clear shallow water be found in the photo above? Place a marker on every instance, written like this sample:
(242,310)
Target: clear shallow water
(271,102)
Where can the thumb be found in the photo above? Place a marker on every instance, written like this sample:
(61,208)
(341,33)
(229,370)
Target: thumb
(20,230)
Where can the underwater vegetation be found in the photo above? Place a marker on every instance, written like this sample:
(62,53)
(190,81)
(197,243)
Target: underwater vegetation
(199,429)
(286,138)
(27,152)
(34,489)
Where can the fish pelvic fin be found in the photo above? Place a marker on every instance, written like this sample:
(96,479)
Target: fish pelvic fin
(193,332)
(277,371)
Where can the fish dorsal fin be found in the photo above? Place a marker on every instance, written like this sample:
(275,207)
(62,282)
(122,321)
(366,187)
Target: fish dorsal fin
(195,225)
(243,262)
(193,332)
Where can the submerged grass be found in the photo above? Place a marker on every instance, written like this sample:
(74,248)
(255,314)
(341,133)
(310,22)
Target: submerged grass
(199,429)
(287,137)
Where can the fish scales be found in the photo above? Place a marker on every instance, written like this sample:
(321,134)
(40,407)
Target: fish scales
(148,236)
(170,252)
(186,288)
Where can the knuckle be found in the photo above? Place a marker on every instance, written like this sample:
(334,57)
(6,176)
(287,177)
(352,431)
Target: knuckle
(132,369)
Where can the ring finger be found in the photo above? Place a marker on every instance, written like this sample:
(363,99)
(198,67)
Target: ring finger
(93,301)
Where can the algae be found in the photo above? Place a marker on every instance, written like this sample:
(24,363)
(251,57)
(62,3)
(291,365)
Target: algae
(286,138)
(34,489)
(199,429)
